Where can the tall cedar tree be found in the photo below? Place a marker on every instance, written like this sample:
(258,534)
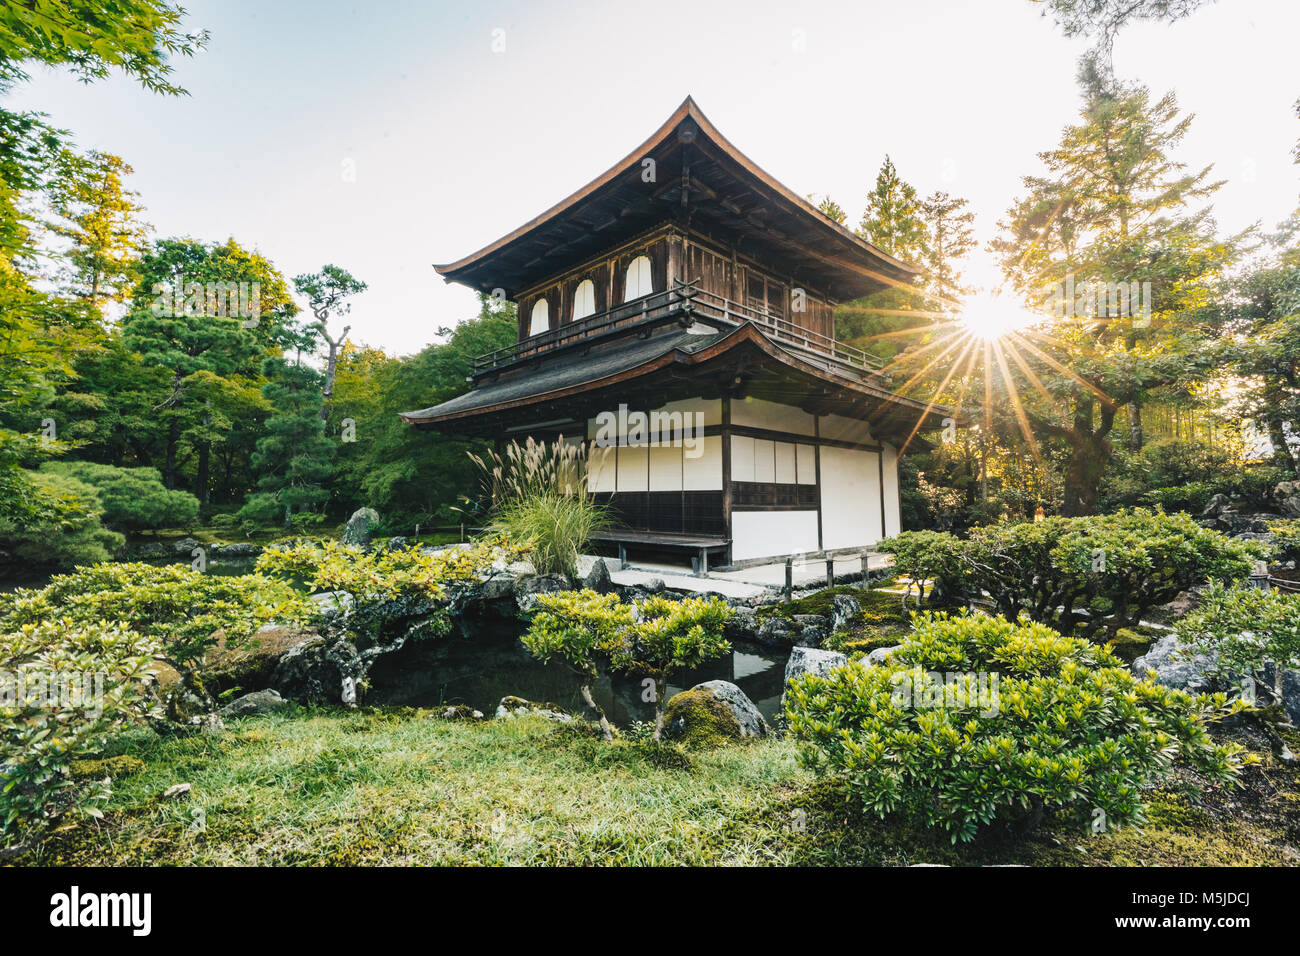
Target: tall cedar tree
(1114,209)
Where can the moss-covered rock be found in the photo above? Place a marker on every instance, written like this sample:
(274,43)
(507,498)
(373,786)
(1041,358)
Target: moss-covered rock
(700,720)
(1128,645)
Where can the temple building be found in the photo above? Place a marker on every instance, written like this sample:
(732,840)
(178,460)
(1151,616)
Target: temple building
(677,311)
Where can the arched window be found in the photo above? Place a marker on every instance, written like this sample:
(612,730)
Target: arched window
(638,279)
(541,318)
(584,299)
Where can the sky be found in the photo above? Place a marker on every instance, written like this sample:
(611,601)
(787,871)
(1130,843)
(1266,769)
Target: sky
(388,136)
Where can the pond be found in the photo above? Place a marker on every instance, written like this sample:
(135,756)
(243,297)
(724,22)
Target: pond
(478,671)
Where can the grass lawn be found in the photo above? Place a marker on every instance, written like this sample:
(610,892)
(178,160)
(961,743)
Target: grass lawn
(406,787)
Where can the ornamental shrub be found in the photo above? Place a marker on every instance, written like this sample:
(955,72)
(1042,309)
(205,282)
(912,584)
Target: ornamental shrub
(1035,723)
(65,685)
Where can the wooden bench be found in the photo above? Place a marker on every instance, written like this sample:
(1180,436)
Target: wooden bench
(702,544)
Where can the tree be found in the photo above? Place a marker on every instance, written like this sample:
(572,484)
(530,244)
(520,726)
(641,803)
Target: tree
(1261,331)
(327,292)
(94,38)
(1103,19)
(293,459)
(829,208)
(668,636)
(892,220)
(52,520)
(950,236)
(99,217)
(201,308)
(133,499)
(412,476)
(1112,217)
(579,628)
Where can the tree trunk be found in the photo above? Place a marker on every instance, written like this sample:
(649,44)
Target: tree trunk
(600,712)
(660,687)
(1282,455)
(173,439)
(331,367)
(1135,438)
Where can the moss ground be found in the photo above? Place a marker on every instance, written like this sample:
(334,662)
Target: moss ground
(403,787)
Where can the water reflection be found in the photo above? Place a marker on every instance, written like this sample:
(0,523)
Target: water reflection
(480,670)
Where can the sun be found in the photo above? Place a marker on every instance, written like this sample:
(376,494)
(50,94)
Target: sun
(990,316)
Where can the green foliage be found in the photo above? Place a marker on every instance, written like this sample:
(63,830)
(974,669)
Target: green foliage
(554,527)
(651,639)
(53,520)
(668,636)
(175,606)
(94,38)
(65,685)
(925,556)
(1180,475)
(579,628)
(1090,575)
(707,722)
(408,475)
(1246,629)
(1068,730)
(133,499)
(390,587)
(1286,539)
(293,460)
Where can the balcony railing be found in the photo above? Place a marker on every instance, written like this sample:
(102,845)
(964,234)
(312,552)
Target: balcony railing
(679,303)
(709,305)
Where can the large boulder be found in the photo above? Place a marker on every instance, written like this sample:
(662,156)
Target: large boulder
(598,578)
(880,655)
(1290,692)
(527,589)
(1175,666)
(356,533)
(1286,498)
(777,633)
(811,660)
(185,546)
(255,704)
(845,609)
(713,713)
(1217,505)
(332,604)
(240,551)
(315,671)
(249,665)
(742,625)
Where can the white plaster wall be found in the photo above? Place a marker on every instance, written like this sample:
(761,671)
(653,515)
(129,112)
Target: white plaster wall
(704,472)
(662,466)
(840,428)
(761,534)
(850,497)
(757,413)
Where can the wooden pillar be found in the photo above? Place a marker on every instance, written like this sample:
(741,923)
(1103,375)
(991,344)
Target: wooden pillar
(726,473)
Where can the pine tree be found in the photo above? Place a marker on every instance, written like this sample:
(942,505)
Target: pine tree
(294,458)
(892,220)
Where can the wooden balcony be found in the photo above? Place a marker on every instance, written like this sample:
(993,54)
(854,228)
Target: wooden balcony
(683,303)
